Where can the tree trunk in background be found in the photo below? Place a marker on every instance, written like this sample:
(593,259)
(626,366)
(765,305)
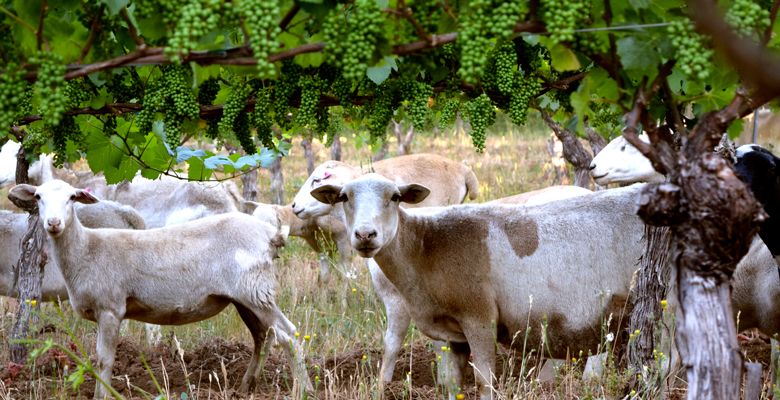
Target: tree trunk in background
(404,141)
(29,268)
(249,185)
(277,182)
(573,151)
(649,290)
(335,149)
(381,153)
(557,163)
(308,154)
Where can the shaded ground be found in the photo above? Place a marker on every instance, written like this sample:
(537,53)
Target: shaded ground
(215,367)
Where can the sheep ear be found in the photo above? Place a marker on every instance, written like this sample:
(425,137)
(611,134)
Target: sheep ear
(83,196)
(413,193)
(329,194)
(23,192)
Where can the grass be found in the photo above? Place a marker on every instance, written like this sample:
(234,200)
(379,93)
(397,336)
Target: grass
(342,324)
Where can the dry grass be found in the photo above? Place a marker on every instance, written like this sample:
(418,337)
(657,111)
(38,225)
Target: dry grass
(342,323)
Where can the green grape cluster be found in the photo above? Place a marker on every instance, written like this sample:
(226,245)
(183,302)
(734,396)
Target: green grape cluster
(261,118)
(310,99)
(748,17)
(352,37)
(78,92)
(243,133)
(195,19)
(261,19)
(122,92)
(694,57)
(212,128)
(380,111)
(449,110)
(323,120)
(525,89)
(562,17)
(592,43)
(234,106)
(207,91)
(50,86)
(417,93)
(66,130)
(481,114)
(484,20)
(170,94)
(283,89)
(335,124)
(14,97)
(342,89)
(506,66)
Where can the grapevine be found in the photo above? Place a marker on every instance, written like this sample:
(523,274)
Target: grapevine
(234,106)
(748,17)
(261,20)
(417,94)
(65,130)
(310,97)
(506,65)
(693,56)
(207,91)
(525,89)
(244,136)
(172,95)
(562,17)
(481,114)
(351,38)
(380,111)
(486,19)
(51,86)
(14,97)
(449,111)
(261,118)
(195,19)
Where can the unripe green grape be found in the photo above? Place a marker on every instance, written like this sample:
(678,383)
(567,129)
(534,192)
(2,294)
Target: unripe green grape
(14,97)
(243,134)
(207,91)
(449,111)
(481,115)
(748,18)
(261,118)
(50,86)
(691,49)
(195,19)
(261,19)
(351,37)
(234,106)
(310,98)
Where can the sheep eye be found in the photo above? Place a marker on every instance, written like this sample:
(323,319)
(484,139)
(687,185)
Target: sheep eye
(72,197)
(396,197)
(37,196)
(316,180)
(623,148)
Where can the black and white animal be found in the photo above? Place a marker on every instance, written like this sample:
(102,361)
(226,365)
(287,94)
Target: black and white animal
(758,168)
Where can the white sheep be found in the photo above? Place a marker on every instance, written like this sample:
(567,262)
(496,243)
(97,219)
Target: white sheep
(164,201)
(479,272)
(621,162)
(106,214)
(173,275)
(450,181)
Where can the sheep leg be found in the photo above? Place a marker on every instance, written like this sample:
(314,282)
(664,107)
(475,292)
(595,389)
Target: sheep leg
(481,338)
(454,361)
(258,332)
(283,333)
(107,335)
(398,321)
(324,276)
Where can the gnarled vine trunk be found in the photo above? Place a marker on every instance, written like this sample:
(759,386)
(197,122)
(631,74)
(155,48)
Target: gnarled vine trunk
(29,268)
(573,151)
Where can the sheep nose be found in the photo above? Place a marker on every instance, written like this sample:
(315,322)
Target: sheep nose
(53,222)
(365,234)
